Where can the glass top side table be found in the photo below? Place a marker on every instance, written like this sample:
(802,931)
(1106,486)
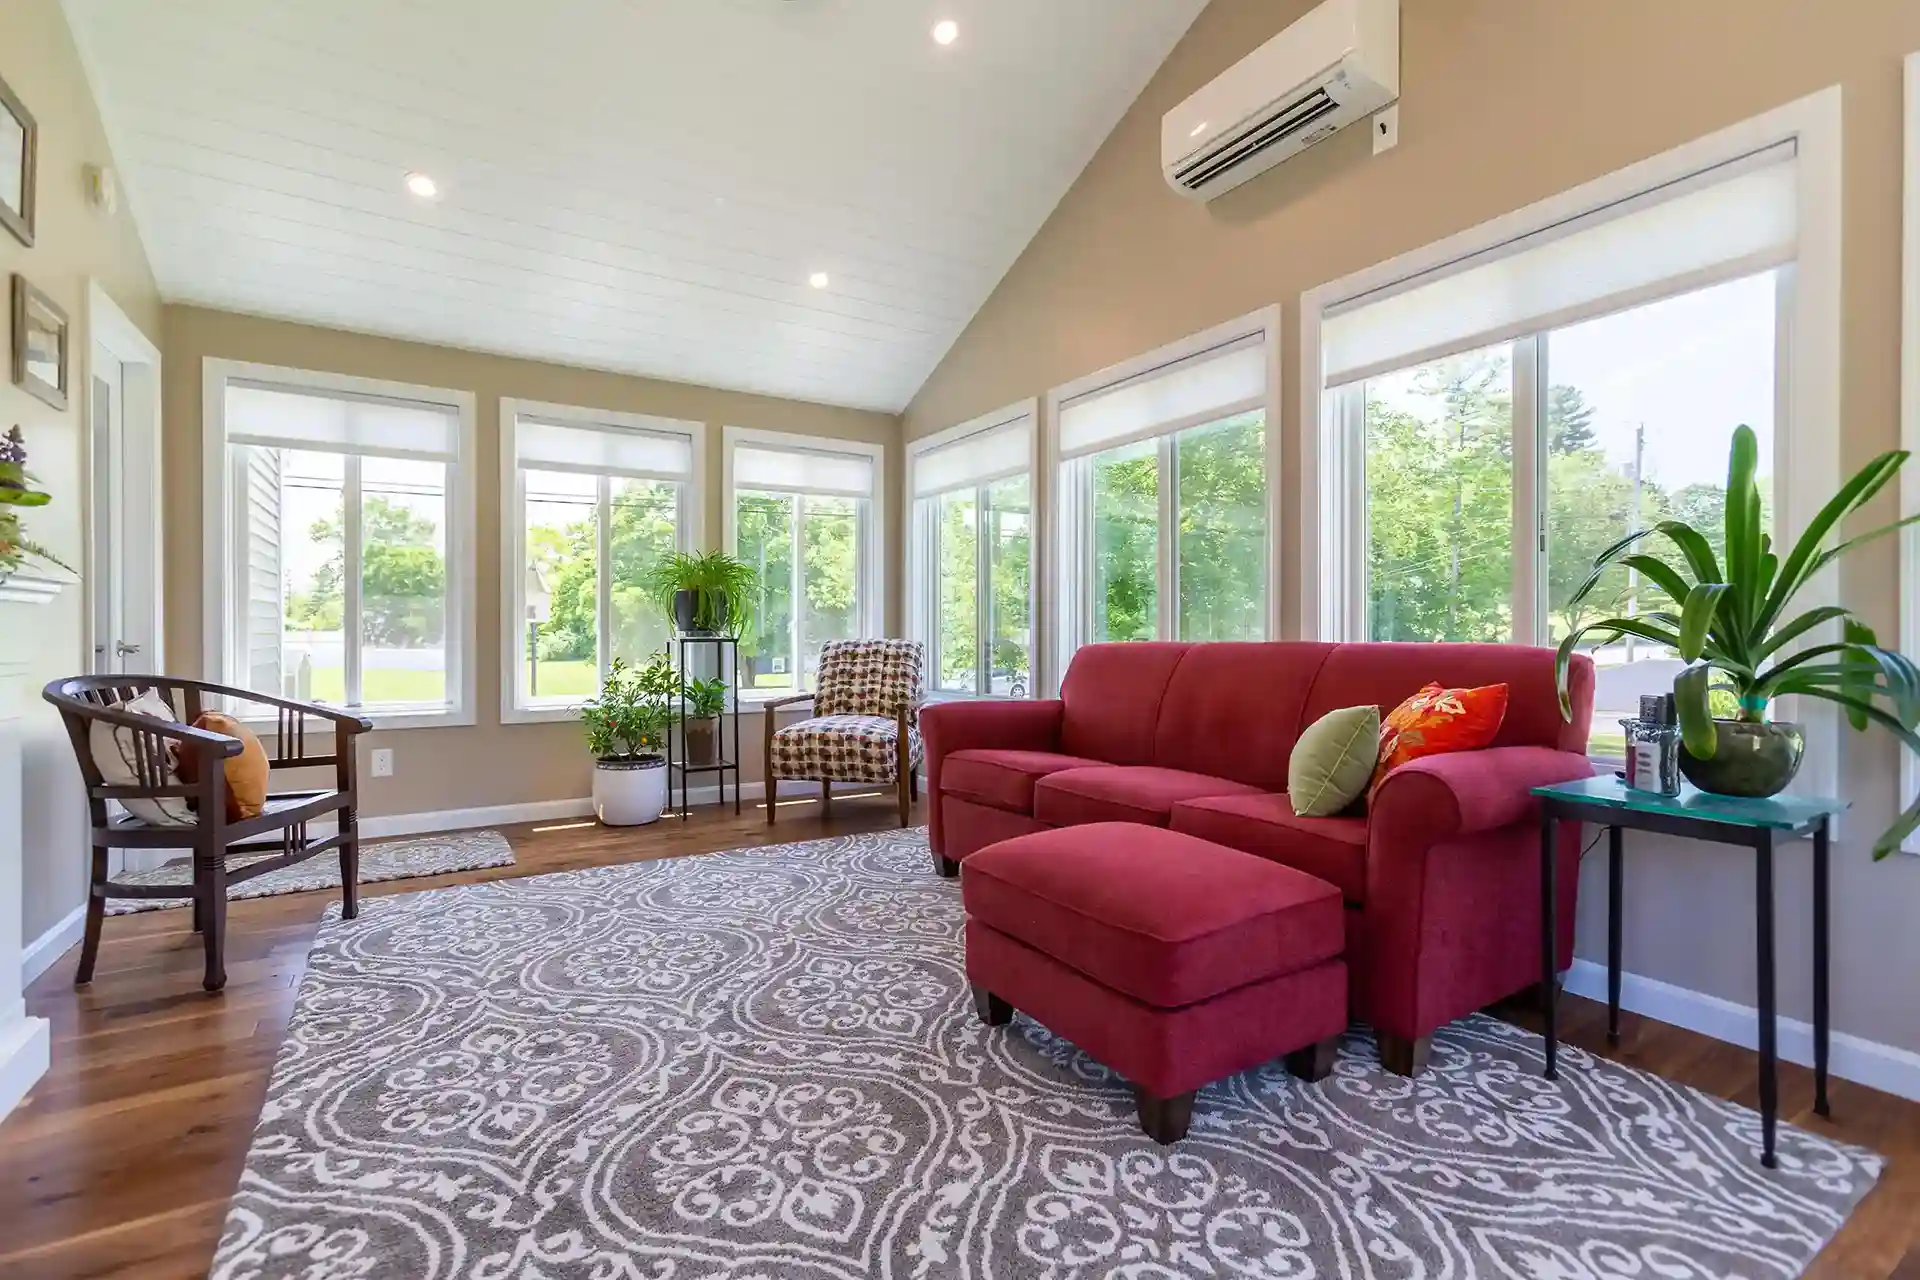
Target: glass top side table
(1753,824)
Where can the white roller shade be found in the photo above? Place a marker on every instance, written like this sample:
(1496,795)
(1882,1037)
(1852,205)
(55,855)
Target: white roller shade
(663,454)
(1214,384)
(769,467)
(1729,221)
(290,418)
(980,458)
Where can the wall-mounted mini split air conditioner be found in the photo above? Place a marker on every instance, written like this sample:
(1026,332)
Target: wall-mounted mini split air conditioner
(1338,64)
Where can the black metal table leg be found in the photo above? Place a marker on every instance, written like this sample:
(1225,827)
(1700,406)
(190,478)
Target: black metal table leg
(1616,887)
(1769,1048)
(1820,954)
(1549,944)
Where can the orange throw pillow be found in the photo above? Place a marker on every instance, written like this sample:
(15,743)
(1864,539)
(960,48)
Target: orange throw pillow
(1437,720)
(246,772)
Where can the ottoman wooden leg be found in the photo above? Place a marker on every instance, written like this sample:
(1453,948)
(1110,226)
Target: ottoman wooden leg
(993,1011)
(1315,1062)
(1404,1057)
(1164,1120)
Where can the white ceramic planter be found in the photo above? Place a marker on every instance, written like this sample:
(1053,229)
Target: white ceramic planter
(629,793)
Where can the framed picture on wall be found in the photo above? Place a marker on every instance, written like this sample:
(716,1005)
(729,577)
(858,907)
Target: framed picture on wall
(41,338)
(19,147)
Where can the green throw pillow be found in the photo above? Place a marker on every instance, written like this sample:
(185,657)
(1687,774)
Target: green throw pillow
(1333,761)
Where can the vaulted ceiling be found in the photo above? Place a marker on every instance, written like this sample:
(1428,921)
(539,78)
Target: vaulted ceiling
(646,186)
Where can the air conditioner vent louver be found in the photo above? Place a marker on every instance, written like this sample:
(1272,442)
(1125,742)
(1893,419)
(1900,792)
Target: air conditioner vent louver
(1338,63)
(1274,129)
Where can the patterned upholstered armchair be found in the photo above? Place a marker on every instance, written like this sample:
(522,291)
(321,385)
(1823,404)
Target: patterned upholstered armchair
(865,725)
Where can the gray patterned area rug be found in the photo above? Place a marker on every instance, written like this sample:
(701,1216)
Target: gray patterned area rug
(765,1064)
(394,860)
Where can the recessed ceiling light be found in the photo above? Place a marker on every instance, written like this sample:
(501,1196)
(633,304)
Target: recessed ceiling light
(1198,129)
(946,31)
(819,280)
(423,186)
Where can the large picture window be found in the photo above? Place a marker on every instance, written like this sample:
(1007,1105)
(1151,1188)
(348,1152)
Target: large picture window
(1519,413)
(804,514)
(596,500)
(339,521)
(970,555)
(1164,510)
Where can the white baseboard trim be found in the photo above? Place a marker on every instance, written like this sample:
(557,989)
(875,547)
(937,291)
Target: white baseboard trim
(26,1050)
(1878,1066)
(51,945)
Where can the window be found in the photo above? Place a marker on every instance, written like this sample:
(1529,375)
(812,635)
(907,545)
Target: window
(1519,411)
(1165,521)
(970,562)
(596,500)
(805,515)
(340,512)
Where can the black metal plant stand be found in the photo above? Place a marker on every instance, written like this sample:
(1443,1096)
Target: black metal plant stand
(726,650)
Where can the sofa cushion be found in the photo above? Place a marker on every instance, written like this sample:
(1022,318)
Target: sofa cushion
(1334,849)
(1162,917)
(1123,793)
(1002,778)
(1233,710)
(1112,695)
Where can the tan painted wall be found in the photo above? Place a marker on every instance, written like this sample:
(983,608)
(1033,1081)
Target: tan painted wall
(489,763)
(73,244)
(1506,102)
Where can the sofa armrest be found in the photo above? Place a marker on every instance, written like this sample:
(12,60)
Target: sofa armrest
(1007,724)
(1460,792)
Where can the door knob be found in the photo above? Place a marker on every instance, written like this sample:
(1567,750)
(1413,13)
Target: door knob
(122,648)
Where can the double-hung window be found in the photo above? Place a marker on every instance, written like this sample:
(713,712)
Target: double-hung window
(1516,413)
(1164,500)
(804,513)
(970,555)
(339,541)
(595,501)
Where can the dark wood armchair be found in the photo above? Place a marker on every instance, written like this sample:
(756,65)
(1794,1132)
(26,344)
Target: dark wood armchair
(280,830)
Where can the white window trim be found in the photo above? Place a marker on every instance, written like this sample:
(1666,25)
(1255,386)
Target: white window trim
(873,572)
(1910,410)
(216,574)
(1807,461)
(513,530)
(1054,650)
(921,612)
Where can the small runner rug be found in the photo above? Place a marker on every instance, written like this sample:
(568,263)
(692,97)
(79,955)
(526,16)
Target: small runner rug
(765,1064)
(394,860)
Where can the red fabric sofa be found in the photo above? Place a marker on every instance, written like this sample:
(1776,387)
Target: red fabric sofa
(1441,877)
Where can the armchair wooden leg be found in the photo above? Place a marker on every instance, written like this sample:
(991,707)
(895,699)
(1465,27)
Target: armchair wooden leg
(350,865)
(210,882)
(826,798)
(906,801)
(96,914)
(199,914)
(902,765)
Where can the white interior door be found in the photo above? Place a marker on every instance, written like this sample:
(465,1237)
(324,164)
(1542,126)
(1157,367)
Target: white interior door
(106,428)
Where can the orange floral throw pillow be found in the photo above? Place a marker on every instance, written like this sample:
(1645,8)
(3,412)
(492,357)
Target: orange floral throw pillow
(1437,720)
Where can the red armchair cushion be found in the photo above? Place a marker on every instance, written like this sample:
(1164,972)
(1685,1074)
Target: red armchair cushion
(1333,849)
(1123,793)
(1003,778)
(1165,918)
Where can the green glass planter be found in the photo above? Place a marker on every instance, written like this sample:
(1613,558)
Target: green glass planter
(1752,760)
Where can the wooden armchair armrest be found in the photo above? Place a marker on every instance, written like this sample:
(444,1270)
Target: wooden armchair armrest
(775,704)
(342,721)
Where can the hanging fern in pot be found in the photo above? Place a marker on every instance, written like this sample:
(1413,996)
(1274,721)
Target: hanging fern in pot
(702,594)
(1732,624)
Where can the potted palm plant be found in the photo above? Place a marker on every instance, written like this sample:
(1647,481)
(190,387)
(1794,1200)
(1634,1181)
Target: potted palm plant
(626,731)
(707,593)
(1733,624)
(706,699)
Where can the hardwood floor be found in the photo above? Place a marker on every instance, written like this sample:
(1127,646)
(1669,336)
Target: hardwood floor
(121,1160)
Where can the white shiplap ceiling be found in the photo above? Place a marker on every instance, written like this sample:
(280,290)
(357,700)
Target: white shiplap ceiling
(638,185)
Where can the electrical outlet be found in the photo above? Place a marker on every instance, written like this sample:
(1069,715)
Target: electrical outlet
(383,762)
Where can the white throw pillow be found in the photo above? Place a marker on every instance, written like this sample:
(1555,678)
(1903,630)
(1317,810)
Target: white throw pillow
(114,756)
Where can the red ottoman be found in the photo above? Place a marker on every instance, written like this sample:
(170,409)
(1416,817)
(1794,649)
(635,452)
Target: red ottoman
(1174,961)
